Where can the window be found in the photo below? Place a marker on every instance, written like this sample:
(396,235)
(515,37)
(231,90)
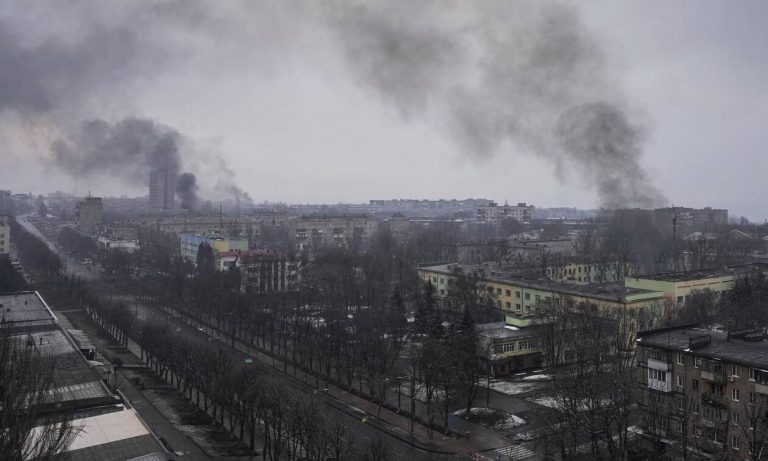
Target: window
(498,291)
(502,348)
(517,294)
(695,407)
(527,345)
(680,404)
(508,305)
(509,292)
(518,307)
(680,359)
(442,292)
(752,398)
(442,281)
(697,362)
(753,374)
(679,381)
(527,296)
(734,442)
(717,389)
(657,375)
(538,298)
(695,384)
(735,395)
(735,417)
(734,370)
(679,300)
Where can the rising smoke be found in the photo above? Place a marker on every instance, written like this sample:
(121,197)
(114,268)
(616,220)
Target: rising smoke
(524,73)
(497,75)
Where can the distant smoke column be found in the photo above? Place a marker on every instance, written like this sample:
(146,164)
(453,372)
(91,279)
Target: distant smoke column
(186,189)
(162,185)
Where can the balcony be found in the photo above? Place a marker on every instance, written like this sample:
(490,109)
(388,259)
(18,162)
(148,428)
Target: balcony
(714,399)
(717,377)
(661,386)
(761,388)
(660,365)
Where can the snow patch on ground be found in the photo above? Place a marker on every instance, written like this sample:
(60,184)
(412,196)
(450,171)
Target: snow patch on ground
(513,388)
(537,378)
(497,420)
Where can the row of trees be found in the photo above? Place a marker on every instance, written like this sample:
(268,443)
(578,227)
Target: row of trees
(253,403)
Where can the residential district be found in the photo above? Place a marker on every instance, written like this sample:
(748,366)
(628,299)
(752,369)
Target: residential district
(397,329)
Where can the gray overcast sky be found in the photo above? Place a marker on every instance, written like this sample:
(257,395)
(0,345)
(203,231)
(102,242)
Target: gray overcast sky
(267,89)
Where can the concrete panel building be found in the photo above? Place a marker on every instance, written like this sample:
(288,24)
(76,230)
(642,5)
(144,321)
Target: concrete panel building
(703,391)
(88,215)
(162,189)
(493,212)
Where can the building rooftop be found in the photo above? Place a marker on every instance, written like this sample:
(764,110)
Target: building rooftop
(25,309)
(750,353)
(604,291)
(500,330)
(736,270)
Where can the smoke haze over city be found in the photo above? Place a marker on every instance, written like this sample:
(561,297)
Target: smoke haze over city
(592,105)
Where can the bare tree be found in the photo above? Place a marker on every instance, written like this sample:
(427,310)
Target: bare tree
(28,427)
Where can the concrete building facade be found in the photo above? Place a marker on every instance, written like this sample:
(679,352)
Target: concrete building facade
(493,212)
(5,235)
(88,215)
(704,391)
(191,242)
(162,189)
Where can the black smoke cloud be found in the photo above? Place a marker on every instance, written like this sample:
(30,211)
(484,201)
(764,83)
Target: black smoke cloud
(186,191)
(130,149)
(498,75)
(503,72)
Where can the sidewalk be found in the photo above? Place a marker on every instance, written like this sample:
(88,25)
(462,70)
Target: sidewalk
(185,448)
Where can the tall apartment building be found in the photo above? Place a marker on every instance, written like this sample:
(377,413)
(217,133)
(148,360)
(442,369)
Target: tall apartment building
(492,212)
(88,214)
(704,391)
(162,189)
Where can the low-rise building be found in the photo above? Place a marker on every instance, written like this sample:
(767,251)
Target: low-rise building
(314,232)
(262,271)
(5,235)
(190,243)
(519,296)
(508,348)
(111,429)
(679,286)
(493,212)
(704,391)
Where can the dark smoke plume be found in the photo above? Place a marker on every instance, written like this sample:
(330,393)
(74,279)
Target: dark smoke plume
(186,191)
(128,150)
(525,73)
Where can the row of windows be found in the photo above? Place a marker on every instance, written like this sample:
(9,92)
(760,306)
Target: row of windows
(510,347)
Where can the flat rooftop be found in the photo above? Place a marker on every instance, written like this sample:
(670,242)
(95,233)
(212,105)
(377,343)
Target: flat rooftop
(604,291)
(500,330)
(752,354)
(25,309)
(715,272)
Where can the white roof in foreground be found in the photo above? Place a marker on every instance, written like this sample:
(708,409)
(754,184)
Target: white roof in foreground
(110,427)
(104,428)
